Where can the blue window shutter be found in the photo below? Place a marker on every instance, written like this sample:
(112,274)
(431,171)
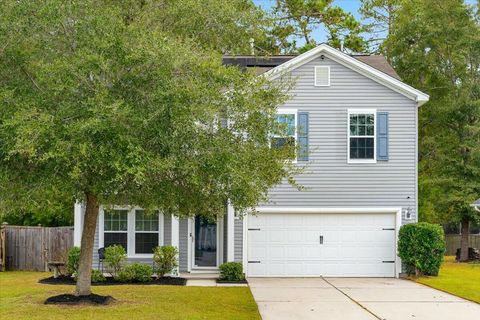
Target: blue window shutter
(382,136)
(302,136)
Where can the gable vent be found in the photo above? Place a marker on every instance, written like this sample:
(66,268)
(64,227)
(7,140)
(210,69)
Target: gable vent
(322,76)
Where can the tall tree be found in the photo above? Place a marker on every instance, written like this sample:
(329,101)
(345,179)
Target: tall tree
(379,16)
(112,103)
(297,19)
(439,53)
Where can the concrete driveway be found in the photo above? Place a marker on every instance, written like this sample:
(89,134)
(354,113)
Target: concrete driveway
(356,299)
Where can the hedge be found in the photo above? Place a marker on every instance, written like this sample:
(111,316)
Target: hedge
(421,247)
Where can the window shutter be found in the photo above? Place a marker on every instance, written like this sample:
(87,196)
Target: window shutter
(302,136)
(382,136)
(322,76)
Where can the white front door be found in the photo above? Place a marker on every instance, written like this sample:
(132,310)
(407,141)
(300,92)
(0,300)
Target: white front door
(313,245)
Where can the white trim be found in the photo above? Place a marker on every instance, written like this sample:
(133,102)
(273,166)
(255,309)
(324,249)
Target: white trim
(78,223)
(244,243)
(190,243)
(398,224)
(315,76)
(363,111)
(230,233)
(101,228)
(353,64)
(395,210)
(175,231)
(416,164)
(327,209)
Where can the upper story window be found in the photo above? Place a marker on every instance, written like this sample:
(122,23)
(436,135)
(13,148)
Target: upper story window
(287,118)
(115,228)
(361,136)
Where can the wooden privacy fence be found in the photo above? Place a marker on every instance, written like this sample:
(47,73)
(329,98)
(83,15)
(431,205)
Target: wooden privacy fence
(31,248)
(453,242)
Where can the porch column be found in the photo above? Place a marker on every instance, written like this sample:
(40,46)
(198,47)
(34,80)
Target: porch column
(230,233)
(77,223)
(175,239)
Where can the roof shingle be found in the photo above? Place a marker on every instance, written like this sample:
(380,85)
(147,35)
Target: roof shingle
(263,64)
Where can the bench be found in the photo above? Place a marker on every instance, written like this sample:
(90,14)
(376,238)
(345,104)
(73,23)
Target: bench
(55,265)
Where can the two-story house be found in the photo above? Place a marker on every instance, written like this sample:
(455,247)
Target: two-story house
(357,123)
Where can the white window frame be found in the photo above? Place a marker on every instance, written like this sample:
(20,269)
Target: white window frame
(130,230)
(315,76)
(362,111)
(101,225)
(293,111)
(160,234)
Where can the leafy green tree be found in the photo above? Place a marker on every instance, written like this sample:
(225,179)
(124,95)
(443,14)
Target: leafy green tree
(379,16)
(296,19)
(111,102)
(439,53)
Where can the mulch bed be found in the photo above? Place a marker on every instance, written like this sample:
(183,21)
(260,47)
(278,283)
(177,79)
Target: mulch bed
(67,280)
(244,281)
(70,299)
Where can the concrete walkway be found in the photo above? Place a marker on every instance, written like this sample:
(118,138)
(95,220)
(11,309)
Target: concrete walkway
(356,299)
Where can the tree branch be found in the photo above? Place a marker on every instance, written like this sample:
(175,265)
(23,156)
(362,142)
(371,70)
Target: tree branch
(31,79)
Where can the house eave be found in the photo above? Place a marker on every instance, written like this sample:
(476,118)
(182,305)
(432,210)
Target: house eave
(419,97)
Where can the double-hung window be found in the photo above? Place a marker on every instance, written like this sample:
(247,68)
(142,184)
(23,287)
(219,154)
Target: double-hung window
(361,136)
(134,229)
(115,225)
(146,232)
(287,133)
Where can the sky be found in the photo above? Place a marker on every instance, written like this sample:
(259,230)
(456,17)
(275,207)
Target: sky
(351,6)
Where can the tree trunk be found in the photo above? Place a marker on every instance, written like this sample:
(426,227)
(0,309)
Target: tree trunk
(464,241)
(86,249)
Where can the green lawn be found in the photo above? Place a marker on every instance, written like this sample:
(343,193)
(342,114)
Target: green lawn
(21,297)
(460,279)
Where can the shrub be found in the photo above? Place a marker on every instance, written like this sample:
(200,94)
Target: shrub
(135,272)
(73,259)
(115,257)
(231,271)
(421,247)
(97,276)
(165,260)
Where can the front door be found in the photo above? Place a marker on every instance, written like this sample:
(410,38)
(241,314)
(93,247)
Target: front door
(205,251)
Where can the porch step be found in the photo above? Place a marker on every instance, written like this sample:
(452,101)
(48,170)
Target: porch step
(200,276)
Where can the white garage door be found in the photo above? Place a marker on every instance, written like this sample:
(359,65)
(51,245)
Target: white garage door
(330,245)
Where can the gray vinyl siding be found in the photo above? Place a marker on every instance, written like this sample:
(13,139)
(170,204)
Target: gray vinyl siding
(238,240)
(167,229)
(329,180)
(183,245)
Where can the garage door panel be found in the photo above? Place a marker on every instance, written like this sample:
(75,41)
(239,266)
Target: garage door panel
(295,252)
(295,236)
(311,236)
(257,270)
(257,237)
(257,253)
(353,245)
(276,236)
